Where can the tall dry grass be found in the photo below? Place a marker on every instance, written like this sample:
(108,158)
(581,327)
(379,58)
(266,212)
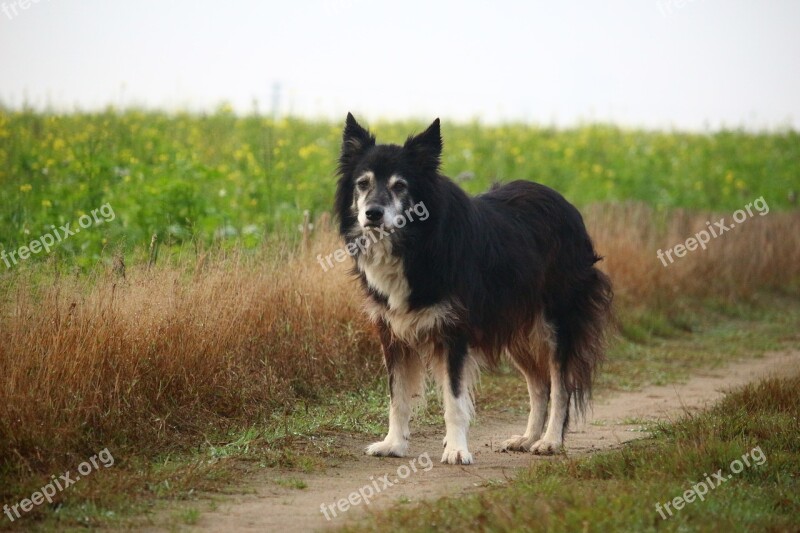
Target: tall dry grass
(176,353)
(161,358)
(761,253)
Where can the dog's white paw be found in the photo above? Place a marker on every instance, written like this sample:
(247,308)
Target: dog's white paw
(388,448)
(455,456)
(517,443)
(547,447)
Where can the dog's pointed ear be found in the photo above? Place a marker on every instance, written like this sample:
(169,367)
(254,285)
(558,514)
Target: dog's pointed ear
(426,148)
(355,141)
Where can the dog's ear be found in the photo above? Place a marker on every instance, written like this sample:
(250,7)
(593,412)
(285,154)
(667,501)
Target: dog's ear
(426,148)
(355,141)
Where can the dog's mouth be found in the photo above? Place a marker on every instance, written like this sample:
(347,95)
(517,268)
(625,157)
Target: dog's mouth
(381,230)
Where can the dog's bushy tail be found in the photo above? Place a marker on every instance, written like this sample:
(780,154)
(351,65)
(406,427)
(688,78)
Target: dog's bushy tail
(581,334)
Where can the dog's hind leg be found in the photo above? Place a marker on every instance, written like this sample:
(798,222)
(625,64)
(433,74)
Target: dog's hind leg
(456,372)
(406,385)
(531,355)
(538,390)
(553,439)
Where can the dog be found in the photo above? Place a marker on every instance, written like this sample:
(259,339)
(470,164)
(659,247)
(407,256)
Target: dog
(508,273)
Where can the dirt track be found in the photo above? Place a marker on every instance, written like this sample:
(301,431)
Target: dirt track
(271,507)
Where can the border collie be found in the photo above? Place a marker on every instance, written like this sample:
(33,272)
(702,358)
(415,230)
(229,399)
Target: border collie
(506,273)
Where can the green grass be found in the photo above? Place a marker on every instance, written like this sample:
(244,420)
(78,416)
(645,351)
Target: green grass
(292,483)
(190,516)
(619,490)
(227,179)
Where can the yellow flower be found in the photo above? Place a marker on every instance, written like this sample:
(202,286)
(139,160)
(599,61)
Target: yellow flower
(26,188)
(47,203)
(306,151)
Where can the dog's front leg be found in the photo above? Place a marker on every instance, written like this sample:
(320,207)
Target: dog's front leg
(456,382)
(406,384)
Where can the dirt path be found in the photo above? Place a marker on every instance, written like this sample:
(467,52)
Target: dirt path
(612,421)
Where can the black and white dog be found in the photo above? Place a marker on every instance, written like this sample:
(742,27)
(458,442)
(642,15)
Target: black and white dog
(509,272)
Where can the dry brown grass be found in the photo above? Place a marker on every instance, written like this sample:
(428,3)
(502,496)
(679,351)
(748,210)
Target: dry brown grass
(161,358)
(761,253)
(173,353)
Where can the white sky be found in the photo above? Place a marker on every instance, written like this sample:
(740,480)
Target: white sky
(650,63)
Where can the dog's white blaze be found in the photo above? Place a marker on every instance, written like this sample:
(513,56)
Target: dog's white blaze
(390,211)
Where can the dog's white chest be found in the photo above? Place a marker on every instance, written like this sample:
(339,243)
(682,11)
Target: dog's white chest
(386,275)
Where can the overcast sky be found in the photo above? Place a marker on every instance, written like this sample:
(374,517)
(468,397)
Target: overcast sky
(650,63)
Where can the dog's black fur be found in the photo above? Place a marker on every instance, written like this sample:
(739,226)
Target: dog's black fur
(502,260)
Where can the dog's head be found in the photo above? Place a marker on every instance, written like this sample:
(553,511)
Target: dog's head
(381,185)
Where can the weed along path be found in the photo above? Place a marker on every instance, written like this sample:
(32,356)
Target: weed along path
(341,491)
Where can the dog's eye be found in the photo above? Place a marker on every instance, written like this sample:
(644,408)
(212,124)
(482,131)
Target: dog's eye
(399,186)
(362,185)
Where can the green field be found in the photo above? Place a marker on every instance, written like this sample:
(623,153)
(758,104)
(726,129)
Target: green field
(192,369)
(221,178)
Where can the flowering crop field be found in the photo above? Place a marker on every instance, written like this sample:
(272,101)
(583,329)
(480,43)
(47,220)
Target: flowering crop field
(240,179)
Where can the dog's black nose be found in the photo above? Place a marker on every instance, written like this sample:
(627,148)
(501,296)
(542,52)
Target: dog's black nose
(374,214)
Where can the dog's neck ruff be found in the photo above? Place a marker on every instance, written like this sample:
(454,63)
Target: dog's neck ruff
(385,275)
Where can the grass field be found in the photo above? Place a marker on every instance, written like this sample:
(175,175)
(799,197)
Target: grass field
(182,361)
(229,179)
